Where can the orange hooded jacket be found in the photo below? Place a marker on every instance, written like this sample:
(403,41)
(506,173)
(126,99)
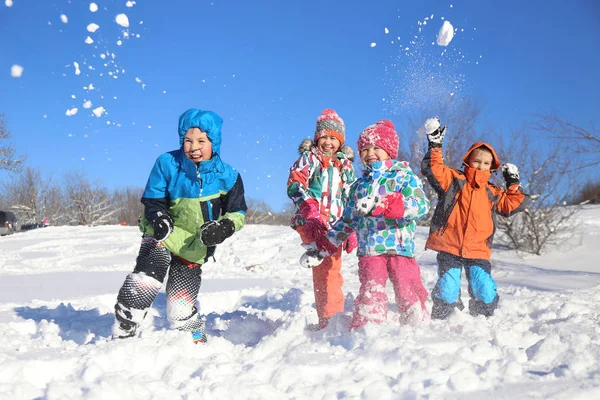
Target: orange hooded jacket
(463,223)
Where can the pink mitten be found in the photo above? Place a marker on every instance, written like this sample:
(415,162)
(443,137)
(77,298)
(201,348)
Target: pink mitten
(392,206)
(324,245)
(313,225)
(351,243)
(314,228)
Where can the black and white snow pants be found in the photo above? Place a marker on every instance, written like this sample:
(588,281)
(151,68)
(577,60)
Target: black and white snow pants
(142,286)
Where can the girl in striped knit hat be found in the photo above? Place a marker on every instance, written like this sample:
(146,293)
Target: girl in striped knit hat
(319,184)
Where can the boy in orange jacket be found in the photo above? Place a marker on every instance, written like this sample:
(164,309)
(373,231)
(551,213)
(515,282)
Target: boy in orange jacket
(463,223)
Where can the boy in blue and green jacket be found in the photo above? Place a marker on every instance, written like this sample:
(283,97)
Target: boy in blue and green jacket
(193,201)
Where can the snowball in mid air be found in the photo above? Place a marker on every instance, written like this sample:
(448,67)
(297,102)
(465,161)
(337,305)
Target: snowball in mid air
(445,34)
(93,7)
(16,71)
(99,111)
(8,3)
(122,20)
(92,27)
(64,18)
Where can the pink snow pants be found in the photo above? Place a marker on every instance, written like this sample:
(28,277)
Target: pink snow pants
(373,272)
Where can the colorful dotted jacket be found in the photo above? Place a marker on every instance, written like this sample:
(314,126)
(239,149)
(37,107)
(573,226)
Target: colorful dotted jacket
(326,179)
(193,194)
(380,235)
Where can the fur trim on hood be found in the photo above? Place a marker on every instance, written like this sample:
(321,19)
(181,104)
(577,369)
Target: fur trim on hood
(307,145)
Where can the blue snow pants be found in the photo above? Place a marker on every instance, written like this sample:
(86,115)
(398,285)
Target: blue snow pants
(482,288)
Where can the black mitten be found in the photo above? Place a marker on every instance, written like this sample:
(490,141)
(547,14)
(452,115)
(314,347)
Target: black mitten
(163,226)
(213,233)
(510,173)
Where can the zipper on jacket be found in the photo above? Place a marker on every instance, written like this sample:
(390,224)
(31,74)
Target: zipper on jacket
(199,179)
(462,245)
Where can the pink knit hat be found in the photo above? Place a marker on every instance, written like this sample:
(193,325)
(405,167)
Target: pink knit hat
(381,134)
(329,123)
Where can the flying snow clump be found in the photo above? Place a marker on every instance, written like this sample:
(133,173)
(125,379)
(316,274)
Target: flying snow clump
(93,7)
(8,3)
(71,112)
(98,111)
(445,34)
(64,18)
(122,20)
(92,27)
(16,70)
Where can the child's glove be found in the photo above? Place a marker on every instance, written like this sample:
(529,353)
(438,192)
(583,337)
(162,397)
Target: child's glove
(316,252)
(313,225)
(365,205)
(391,206)
(351,243)
(213,233)
(311,258)
(163,226)
(435,135)
(510,173)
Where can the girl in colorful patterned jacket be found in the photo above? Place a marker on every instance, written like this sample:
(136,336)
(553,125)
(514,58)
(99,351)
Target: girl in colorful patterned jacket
(193,201)
(319,184)
(383,208)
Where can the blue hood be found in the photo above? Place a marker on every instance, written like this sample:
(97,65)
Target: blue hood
(207,121)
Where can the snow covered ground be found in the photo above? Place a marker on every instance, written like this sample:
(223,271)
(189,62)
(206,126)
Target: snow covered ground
(58,287)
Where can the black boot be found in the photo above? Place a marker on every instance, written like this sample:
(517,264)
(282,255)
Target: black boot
(442,310)
(478,307)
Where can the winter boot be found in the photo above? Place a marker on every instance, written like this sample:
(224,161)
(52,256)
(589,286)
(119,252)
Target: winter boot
(478,307)
(123,329)
(442,310)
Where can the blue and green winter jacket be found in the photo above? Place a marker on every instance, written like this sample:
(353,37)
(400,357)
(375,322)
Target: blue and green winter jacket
(193,194)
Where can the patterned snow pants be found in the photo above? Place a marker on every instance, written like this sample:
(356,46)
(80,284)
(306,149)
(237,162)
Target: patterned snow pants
(142,286)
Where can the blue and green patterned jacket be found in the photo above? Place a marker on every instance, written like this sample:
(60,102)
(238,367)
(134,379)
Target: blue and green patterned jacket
(380,235)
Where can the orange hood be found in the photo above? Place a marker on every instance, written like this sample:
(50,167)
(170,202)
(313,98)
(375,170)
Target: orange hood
(495,159)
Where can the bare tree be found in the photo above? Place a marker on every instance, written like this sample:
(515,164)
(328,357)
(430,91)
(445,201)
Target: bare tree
(548,177)
(589,194)
(582,143)
(8,160)
(259,212)
(128,204)
(33,197)
(87,203)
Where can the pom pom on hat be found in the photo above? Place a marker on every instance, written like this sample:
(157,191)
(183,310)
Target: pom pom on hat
(381,134)
(329,123)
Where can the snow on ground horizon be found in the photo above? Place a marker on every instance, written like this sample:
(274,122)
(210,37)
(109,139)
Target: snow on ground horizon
(58,286)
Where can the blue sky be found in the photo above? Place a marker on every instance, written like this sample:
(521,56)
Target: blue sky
(269,68)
